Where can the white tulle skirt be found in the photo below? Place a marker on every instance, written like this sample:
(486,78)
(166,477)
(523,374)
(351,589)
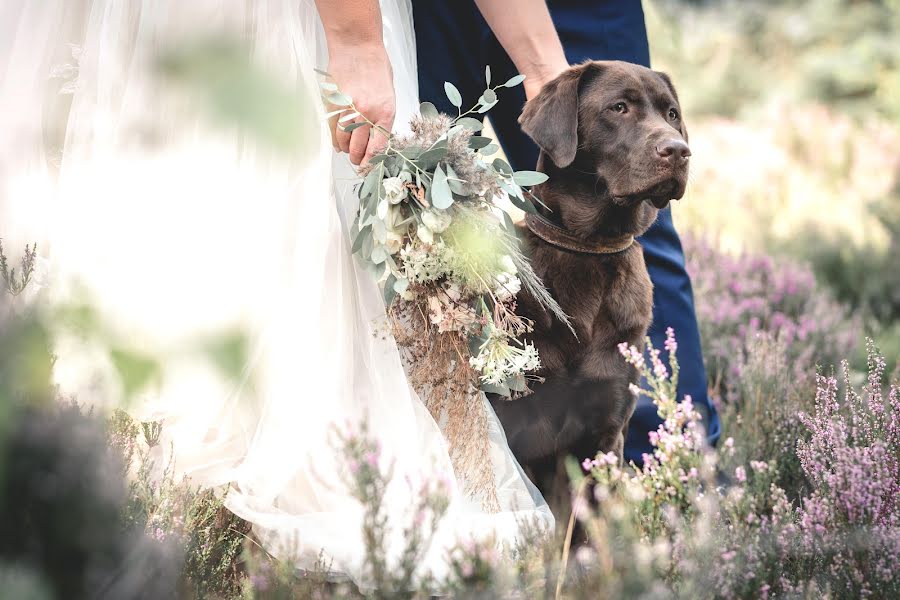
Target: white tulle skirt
(183,233)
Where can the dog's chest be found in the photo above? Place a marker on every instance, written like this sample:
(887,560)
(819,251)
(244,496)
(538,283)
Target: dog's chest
(609,299)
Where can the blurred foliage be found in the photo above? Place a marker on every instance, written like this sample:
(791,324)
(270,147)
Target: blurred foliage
(235,91)
(729,55)
(794,113)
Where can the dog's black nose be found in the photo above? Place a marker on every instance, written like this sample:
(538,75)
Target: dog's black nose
(673,150)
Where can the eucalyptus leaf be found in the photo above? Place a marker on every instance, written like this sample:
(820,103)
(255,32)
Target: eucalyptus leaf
(360,239)
(471,123)
(516,382)
(502,166)
(514,81)
(479,141)
(328,86)
(529,177)
(413,152)
(352,126)
(377,159)
(378,254)
(491,388)
(490,149)
(430,158)
(453,94)
(489,96)
(401,285)
(457,185)
(486,107)
(389,292)
(370,183)
(523,204)
(428,110)
(441,196)
(339,99)
(487,75)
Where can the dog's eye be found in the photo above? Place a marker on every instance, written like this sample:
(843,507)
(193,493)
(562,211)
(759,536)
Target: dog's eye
(620,107)
(673,114)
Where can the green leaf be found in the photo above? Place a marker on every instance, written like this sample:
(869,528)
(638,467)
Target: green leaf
(321,72)
(470,123)
(361,238)
(490,388)
(514,81)
(413,152)
(489,96)
(487,75)
(339,99)
(574,470)
(352,126)
(328,86)
(441,197)
(529,177)
(389,292)
(228,352)
(428,110)
(377,159)
(378,255)
(453,94)
(486,107)
(479,141)
(457,185)
(431,158)
(135,370)
(401,285)
(502,166)
(370,183)
(523,204)
(490,149)
(516,382)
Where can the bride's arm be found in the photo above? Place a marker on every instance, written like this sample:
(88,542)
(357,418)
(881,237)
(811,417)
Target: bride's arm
(360,66)
(529,37)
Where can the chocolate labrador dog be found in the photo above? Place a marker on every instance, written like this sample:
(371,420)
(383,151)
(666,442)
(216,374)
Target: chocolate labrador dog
(615,147)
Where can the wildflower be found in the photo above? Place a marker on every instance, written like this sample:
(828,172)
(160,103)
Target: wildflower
(740,474)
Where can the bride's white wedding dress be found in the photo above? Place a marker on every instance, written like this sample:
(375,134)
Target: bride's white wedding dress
(179,230)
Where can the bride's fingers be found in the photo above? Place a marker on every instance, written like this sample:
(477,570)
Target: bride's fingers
(342,137)
(377,142)
(359,141)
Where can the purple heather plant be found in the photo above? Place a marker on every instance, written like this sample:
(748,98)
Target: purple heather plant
(740,297)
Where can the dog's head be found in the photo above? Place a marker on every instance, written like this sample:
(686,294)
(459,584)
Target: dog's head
(616,121)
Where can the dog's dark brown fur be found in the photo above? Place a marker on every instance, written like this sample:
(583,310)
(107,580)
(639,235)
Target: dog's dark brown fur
(614,146)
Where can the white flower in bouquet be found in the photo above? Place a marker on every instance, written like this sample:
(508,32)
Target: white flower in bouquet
(394,189)
(425,234)
(507,287)
(436,220)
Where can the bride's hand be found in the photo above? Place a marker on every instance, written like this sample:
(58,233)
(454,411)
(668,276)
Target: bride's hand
(364,73)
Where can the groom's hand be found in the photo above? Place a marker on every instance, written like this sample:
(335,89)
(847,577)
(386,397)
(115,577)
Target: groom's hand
(364,73)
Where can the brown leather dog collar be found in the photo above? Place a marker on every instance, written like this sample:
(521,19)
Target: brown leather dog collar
(559,237)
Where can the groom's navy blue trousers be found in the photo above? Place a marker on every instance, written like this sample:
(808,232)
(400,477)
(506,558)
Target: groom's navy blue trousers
(454,44)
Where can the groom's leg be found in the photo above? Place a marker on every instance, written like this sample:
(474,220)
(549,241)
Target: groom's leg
(448,35)
(454,44)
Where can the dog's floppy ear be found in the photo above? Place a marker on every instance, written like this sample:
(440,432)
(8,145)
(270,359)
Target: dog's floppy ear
(668,81)
(551,117)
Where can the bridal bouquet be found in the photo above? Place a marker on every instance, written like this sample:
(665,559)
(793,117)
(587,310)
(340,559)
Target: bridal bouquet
(428,225)
(450,265)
